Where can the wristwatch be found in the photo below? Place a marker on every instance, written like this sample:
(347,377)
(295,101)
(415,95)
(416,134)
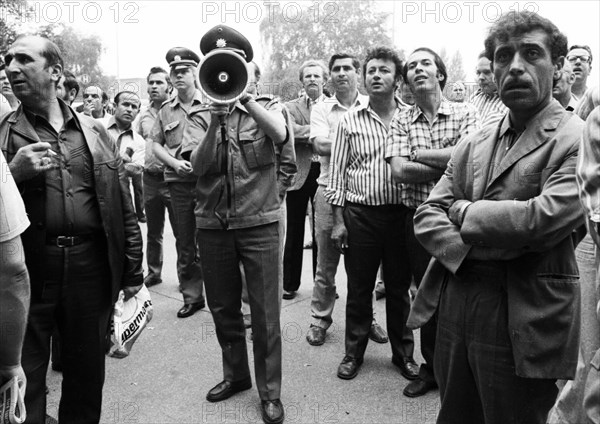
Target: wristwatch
(413,154)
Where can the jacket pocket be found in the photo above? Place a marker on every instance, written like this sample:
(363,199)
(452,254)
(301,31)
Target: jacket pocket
(258,153)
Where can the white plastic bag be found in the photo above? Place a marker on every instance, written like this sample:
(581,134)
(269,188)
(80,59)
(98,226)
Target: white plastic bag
(12,407)
(129,319)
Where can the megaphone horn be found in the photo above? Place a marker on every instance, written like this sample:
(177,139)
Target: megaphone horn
(223,76)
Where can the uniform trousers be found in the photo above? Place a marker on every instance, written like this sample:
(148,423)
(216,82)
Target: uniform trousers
(183,202)
(257,248)
(157,199)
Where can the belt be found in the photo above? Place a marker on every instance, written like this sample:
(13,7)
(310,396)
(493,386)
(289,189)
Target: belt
(70,241)
(155,174)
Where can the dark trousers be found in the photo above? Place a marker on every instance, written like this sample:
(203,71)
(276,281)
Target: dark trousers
(134,173)
(474,363)
(297,203)
(418,259)
(157,199)
(257,249)
(75,299)
(376,234)
(183,202)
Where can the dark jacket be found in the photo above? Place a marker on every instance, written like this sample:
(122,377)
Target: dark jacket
(114,200)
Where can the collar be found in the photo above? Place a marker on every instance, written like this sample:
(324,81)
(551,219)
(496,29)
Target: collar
(445,108)
(547,118)
(67,112)
(308,101)
(112,123)
(196,99)
(359,101)
(573,102)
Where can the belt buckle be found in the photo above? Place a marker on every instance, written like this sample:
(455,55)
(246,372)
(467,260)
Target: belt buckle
(64,241)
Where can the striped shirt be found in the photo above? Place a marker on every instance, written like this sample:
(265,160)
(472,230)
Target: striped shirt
(410,130)
(491,109)
(588,167)
(358,170)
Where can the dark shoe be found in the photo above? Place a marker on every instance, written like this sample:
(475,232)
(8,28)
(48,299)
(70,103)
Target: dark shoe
(419,387)
(149,282)
(378,334)
(272,411)
(315,335)
(348,369)
(225,389)
(287,295)
(408,367)
(190,309)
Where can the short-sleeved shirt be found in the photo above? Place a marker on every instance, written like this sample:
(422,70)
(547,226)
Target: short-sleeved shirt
(324,119)
(411,130)
(128,139)
(491,109)
(143,125)
(13,218)
(169,131)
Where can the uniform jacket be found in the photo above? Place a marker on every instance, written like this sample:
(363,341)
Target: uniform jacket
(304,149)
(525,215)
(114,200)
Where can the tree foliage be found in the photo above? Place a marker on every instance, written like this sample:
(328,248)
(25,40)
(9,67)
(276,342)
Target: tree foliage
(319,31)
(12,12)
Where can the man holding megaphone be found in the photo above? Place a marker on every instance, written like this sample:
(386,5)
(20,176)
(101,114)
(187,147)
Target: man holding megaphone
(237,215)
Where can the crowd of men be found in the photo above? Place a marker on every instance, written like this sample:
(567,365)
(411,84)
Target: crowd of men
(473,200)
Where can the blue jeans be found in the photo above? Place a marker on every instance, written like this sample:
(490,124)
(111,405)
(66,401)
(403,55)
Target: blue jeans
(183,202)
(257,248)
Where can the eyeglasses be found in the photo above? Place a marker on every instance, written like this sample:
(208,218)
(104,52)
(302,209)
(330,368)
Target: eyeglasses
(573,59)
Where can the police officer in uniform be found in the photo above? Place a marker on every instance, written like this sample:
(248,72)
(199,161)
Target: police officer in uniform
(237,223)
(168,135)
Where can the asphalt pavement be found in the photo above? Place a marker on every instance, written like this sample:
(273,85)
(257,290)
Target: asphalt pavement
(176,361)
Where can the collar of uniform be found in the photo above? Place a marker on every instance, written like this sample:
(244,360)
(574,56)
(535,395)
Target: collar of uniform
(196,99)
(444,109)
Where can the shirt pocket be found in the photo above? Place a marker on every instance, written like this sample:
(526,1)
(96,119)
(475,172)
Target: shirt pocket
(257,153)
(172,137)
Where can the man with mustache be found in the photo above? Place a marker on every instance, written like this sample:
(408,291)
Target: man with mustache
(313,76)
(419,145)
(131,145)
(486,98)
(580,56)
(499,224)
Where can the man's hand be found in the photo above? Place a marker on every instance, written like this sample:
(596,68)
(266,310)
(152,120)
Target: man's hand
(456,213)
(183,168)
(88,108)
(7,373)
(217,110)
(131,291)
(339,235)
(31,160)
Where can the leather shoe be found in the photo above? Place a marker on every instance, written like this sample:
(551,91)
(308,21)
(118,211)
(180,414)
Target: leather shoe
(408,367)
(287,295)
(190,309)
(149,282)
(272,411)
(348,369)
(225,389)
(315,335)
(419,387)
(378,334)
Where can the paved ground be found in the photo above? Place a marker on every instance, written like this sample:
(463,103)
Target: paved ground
(176,361)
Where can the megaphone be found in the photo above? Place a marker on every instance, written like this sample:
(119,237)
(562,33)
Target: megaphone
(223,76)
